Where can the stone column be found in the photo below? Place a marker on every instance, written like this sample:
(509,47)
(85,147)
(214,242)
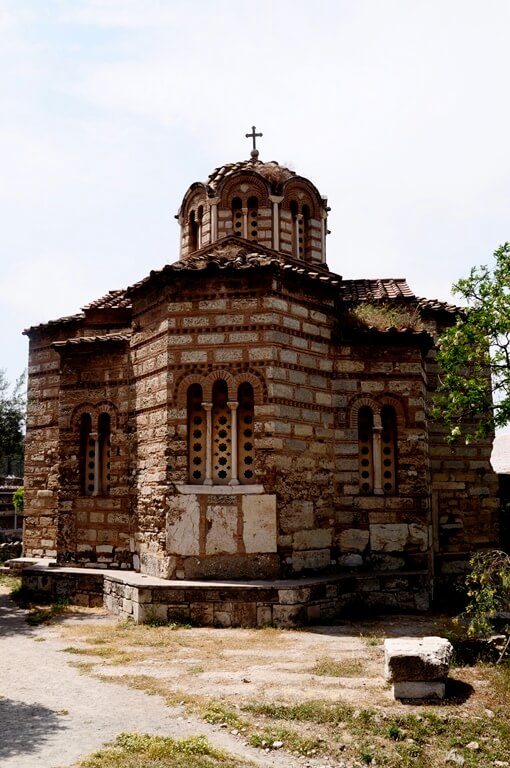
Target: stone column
(233,435)
(276,200)
(208,445)
(300,230)
(245,222)
(324,227)
(213,203)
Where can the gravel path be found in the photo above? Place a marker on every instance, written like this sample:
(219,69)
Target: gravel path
(52,716)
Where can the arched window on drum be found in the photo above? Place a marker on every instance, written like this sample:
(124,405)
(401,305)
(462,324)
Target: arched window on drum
(253,212)
(237,217)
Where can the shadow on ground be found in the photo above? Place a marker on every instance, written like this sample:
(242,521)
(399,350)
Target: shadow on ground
(25,726)
(12,618)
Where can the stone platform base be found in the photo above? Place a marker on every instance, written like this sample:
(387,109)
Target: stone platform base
(419,691)
(282,603)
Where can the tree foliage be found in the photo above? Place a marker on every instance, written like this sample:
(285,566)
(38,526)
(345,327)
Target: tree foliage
(12,420)
(18,500)
(488,591)
(476,347)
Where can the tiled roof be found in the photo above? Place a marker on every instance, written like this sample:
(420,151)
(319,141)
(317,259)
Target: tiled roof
(112,300)
(438,306)
(375,290)
(79,340)
(233,255)
(271,171)
(59,321)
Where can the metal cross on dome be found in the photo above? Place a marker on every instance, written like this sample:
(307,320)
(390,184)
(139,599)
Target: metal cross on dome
(253,135)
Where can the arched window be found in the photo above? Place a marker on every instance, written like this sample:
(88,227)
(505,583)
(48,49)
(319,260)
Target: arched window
(87,455)
(294,211)
(365,449)
(197,432)
(195,228)
(103,466)
(220,436)
(377,450)
(305,224)
(253,210)
(94,456)
(245,417)
(389,449)
(237,217)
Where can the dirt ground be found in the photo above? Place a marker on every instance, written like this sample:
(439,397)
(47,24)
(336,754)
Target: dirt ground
(340,662)
(70,686)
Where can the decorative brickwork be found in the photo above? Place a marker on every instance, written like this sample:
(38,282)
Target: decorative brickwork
(226,418)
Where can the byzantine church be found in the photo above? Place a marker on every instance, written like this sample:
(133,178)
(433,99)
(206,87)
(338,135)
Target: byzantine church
(246,414)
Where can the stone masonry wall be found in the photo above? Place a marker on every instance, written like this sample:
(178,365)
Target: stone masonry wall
(41,447)
(153,378)
(95,529)
(390,531)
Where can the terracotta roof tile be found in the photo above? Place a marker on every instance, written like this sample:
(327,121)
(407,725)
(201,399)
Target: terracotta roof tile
(59,321)
(112,300)
(79,340)
(271,171)
(375,290)
(437,306)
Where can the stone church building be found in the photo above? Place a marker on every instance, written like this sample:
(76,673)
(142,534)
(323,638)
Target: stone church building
(246,414)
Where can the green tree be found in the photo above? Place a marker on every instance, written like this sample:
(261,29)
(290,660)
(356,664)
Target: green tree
(488,593)
(476,347)
(12,421)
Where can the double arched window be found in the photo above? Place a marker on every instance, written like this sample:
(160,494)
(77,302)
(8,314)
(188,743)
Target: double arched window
(94,456)
(377,449)
(220,435)
(245,218)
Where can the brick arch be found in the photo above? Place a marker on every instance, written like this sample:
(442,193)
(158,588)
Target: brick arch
(214,376)
(398,407)
(77,413)
(108,407)
(182,386)
(196,195)
(357,403)
(95,410)
(258,187)
(256,381)
(310,196)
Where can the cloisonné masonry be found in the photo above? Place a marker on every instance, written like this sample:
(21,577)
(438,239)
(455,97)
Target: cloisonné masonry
(229,417)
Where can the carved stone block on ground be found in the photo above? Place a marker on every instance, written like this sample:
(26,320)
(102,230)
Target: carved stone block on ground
(417,666)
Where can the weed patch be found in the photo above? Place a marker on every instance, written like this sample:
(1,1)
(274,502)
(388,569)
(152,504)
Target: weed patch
(132,750)
(328,667)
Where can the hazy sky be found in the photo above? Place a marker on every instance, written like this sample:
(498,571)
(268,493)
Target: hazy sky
(398,111)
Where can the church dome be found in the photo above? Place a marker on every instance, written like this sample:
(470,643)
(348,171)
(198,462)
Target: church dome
(262,202)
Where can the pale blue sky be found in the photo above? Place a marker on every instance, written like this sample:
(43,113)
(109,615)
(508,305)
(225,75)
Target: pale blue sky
(397,110)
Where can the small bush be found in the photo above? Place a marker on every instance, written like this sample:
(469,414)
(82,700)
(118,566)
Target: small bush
(488,592)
